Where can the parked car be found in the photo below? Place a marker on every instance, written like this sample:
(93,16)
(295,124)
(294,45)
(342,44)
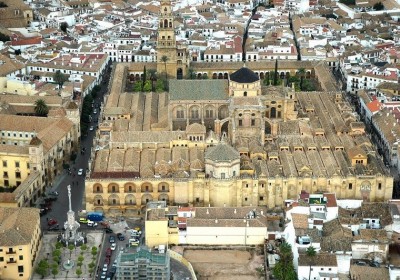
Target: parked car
(52,222)
(54,227)
(113,246)
(111,239)
(80,172)
(91,128)
(54,193)
(108,230)
(105,267)
(361,263)
(83,220)
(92,224)
(108,252)
(133,242)
(120,236)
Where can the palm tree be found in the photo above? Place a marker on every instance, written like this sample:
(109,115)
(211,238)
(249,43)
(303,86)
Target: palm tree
(311,253)
(41,108)
(164,59)
(301,72)
(153,77)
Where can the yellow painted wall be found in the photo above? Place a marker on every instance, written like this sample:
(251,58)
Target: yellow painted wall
(156,233)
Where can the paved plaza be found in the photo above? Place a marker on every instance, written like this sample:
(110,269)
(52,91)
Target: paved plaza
(94,239)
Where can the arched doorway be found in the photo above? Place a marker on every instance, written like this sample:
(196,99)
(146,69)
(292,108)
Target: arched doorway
(273,113)
(226,76)
(267,128)
(220,77)
(179,74)
(214,76)
(224,128)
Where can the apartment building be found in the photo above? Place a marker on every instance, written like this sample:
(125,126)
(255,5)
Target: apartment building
(20,240)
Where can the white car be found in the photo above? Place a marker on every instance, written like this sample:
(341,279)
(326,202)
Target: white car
(91,128)
(80,172)
(105,267)
(113,246)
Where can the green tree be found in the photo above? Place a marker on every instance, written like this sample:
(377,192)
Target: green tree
(54,270)
(64,26)
(59,78)
(59,245)
(311,253)
(78,272)
(190,74)
(276,73)
(70,248)
(147,86)
(43,268)
(301,72)
(165,59)
(153,78)
(160,85)
(144,77)
(41,108)
(284,268)
(84,247)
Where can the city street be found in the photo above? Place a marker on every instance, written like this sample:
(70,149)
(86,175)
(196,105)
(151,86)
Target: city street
(77,182)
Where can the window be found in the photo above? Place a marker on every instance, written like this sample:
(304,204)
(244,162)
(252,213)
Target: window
(20,268)
(209,113)
(253,122)
(240,123)
(5,174)
(261,198)
(245,199)
(180,114)
(18,175)
(379,186)
(1,259)
(21,258)
(245,93)
(6,183)
(4,163)
(222,175)
(350,186)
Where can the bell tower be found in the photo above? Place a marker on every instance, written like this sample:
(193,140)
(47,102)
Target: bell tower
(171,59)
(166,42)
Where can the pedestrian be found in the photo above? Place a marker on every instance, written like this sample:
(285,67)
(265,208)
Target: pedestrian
(47,218)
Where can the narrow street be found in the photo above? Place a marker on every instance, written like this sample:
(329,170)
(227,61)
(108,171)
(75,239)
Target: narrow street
(60,207)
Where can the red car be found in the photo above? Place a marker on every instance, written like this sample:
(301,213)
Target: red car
(51,222)
(107,260)
(108,252)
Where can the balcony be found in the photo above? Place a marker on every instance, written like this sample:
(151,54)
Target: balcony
(11,252)
(12,261)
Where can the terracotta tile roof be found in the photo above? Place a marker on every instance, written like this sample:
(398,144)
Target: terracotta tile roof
(374,106)
(367,272)
(17,225)
(321,259)
(300,221)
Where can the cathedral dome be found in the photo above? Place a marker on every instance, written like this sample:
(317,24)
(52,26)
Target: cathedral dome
(222,152)
(244,76)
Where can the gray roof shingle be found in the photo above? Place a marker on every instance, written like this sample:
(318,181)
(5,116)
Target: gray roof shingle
(198,90)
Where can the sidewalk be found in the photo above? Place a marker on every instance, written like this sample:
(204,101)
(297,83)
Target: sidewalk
(49,241)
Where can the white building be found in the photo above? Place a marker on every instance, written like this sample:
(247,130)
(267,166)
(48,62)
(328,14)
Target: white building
(323,266)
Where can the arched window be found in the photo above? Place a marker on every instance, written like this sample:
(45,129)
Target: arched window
(114,201)
(165,23)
